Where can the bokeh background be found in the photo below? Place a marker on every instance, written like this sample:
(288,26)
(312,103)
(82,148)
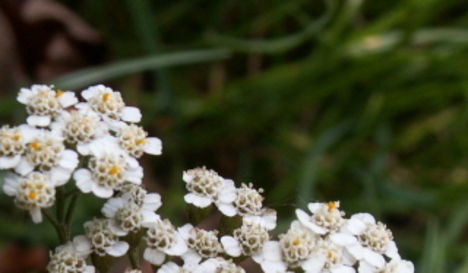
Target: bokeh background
(359,101)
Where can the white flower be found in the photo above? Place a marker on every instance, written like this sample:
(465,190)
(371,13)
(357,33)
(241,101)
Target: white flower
(109,104)
(246,240)
(201,243)
(171,267)
(393,266)
(270,258)
(106,173)
(297,244)
(163,239)
(373,240)
(43,103)
(326,217)
(206,187)
(46,152)
(33,192)
(128,216)
(71,257)
(80,127)
(135,141)
(218,265)
(12,146)
(103,240)
(249,204)
(328,257)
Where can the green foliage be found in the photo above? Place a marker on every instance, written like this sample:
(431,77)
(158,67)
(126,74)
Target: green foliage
(363,102)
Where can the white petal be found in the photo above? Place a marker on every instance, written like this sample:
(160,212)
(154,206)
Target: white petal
(314,207)
(39,121)
(131,114)
(269,219)
(314,264)
(169,267)
(36,215)
(83,180)
(179,246)
(83,148)
(118,249)
(227,193)
(198,201)
(271,251)
(116,229)
(154,256)
(24,95)
(10,187)
(343,239)
(305,219)
(24,167)
(68,159)
(67,99)
(373,258)
(9,162)
(392,251)
(60,176)
(149,218)
(100,191)
(231,246)
(91,91)
(152,201)
(184,231)
(226,209)
(191,258)
(364,217)
(405,267)
(355,226)
(364,267)
(342,269)
(111,206)
(152,146)
(82,245)
(134,176)
(89,269)
(356,250)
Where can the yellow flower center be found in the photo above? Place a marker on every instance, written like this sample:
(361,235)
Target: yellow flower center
(32,195)
(331,205)
(58,93)
(140,141)
(35,145)
(296,241)
(114,170)
(105,96)
(330,255)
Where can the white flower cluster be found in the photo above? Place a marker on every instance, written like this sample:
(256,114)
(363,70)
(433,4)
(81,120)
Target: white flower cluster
(327,242)
(95,142)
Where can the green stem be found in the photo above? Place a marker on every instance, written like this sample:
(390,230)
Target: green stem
(59,228)
(133,259)
(60,204)
(71,208)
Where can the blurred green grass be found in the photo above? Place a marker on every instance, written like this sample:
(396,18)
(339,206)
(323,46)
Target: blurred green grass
(359,101)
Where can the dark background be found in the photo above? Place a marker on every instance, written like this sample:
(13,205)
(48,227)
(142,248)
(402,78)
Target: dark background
(359,101)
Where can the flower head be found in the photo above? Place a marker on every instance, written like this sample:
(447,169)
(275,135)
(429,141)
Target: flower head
(43,103)
(109,104)
(71,257)
(326,217)
(32,192)
(103,240)
(247,240)
(163,239)
(206,187)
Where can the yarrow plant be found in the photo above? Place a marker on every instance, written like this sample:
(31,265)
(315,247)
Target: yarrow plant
(91,144)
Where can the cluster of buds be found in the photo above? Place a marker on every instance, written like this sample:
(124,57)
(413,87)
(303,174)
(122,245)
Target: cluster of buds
(94,141)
